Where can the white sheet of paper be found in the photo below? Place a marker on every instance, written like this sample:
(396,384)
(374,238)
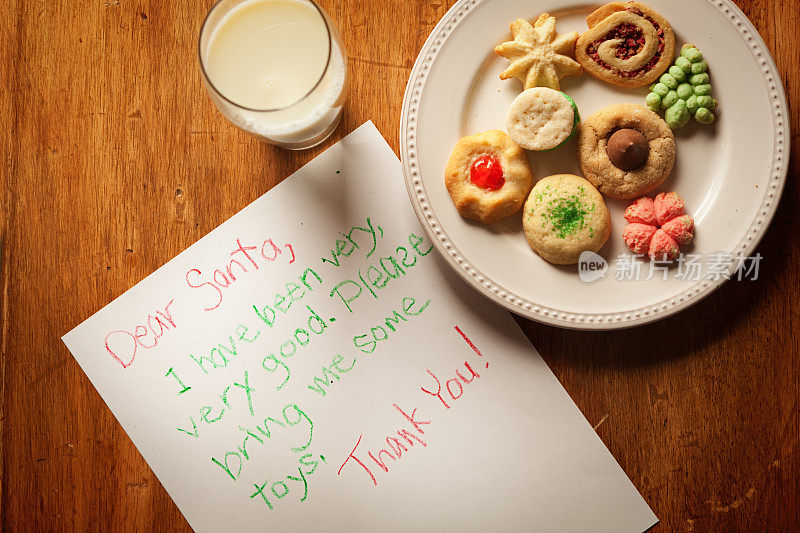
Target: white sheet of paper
(272,376)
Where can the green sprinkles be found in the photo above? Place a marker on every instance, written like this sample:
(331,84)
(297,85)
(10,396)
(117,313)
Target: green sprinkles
(567,215)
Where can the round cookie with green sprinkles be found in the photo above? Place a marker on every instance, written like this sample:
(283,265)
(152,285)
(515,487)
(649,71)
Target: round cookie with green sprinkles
(565,216)
(542,119)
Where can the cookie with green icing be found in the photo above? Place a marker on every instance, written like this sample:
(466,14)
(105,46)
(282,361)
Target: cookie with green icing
(564,216)
(684,91)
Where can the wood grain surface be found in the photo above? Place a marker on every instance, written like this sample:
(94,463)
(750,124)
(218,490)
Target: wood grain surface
(114,160)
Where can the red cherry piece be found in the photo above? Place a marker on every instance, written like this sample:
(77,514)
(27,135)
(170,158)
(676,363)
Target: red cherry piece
(487,173)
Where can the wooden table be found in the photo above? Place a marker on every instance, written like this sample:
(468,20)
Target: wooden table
(114,160)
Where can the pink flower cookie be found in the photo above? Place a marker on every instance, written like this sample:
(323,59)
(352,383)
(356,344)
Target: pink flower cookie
(658,227)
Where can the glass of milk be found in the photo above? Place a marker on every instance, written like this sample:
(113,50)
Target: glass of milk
(275,68)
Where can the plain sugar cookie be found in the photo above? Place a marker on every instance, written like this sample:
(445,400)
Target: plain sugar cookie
(542,119)
(565,216)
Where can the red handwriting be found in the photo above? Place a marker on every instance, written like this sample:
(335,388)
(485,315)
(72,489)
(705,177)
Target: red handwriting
(245,259)
(470,343)
(122,344)
(396,446)
(454,387)
(371,462)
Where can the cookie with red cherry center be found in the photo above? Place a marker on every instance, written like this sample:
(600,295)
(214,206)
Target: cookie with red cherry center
(488,176)
(628,44)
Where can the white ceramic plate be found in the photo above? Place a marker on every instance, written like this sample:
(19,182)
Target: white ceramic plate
(730,174)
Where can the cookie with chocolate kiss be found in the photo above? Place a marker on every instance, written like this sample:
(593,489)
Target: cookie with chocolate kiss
(625,150)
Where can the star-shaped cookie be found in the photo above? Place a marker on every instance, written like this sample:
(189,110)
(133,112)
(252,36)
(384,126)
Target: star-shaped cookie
(539,56)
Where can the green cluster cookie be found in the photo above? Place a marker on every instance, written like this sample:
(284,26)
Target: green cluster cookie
(684,91)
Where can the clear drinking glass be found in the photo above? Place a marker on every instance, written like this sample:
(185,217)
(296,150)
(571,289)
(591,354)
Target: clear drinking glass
(301,119)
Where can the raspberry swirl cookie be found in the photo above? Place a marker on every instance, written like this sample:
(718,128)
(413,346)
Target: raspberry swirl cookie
(627,44)
(625,150)
(488,176)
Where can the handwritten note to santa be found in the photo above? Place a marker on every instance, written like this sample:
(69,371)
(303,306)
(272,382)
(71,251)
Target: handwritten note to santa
(312,364)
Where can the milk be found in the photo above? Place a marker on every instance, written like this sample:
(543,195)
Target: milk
(276,69)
